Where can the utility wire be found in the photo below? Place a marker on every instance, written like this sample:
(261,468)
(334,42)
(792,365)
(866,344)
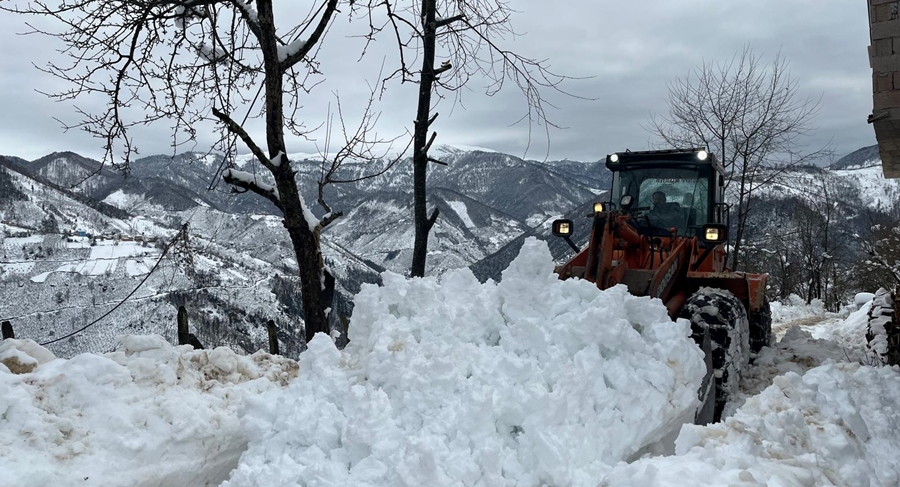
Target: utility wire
(165,250)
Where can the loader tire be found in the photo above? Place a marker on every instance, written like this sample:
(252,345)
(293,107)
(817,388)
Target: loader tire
(761,327)
(707,411)
(724,318)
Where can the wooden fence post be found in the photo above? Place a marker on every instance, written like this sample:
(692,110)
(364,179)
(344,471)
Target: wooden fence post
(183,331)
(185,337)
(7,330)
(273,337)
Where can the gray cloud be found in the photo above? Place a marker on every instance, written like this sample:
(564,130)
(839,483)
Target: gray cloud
(630,50)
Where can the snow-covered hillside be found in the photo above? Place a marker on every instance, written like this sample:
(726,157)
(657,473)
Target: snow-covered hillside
(528,382)
(241,272)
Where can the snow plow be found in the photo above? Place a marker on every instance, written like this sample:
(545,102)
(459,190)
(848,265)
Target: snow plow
(662,234)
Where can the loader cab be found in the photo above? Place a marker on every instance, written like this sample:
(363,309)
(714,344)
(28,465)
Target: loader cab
(681,189)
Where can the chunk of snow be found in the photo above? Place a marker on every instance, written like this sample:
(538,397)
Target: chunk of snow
(22,356)
(289,50)
(248,10)
(862,298)
(276,161)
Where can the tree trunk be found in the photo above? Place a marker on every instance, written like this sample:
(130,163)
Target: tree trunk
(309,256)
(742,212)
(7,330)
(272,330)
(304,239)
(420,140)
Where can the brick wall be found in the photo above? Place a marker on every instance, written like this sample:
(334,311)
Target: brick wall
(884,58)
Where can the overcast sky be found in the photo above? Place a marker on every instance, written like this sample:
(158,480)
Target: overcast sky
(630,50)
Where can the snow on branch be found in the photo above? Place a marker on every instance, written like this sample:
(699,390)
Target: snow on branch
(248,11)
(276,161)
(441,22)
(285,52)
(212,54)
(251,182)
(298,49)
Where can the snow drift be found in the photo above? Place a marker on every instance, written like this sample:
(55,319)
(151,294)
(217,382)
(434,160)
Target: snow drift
(448,381)
(834,426)
(149,414)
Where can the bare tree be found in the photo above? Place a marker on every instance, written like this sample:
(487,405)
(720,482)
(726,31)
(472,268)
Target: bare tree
(467,34)
(750,115)
(882,247)
(201,64)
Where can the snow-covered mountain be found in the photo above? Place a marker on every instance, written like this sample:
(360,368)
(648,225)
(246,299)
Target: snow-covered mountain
(489,203)
(77,238)
(486,198)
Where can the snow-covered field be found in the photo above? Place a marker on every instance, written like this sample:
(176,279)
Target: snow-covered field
(528,382)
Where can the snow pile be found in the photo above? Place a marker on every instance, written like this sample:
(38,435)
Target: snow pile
(849,333)
(797,352)
(149,414)
(795,308)
(835,425)
(532,381)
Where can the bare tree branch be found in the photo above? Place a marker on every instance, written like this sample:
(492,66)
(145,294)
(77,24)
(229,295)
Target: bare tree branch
(195,64)
(236,129)
(248,182)
(749,115)
(307,45)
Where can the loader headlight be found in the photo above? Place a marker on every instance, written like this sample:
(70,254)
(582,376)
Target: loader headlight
(601,207)
(702,155)
(614,158)
(562,228)
(715,233)
(626,201)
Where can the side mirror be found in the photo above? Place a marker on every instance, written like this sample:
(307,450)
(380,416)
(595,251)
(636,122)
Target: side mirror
(715,233)
(563,228)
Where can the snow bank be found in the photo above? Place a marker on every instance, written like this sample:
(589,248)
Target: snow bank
(849,333)
(447,381)
(835,425)
(798,351)
(149,414)
(795,308)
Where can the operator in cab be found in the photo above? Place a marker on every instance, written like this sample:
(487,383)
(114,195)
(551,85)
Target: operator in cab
(664,215)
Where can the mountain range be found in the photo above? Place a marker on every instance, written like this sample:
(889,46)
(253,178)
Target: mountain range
(78,237)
